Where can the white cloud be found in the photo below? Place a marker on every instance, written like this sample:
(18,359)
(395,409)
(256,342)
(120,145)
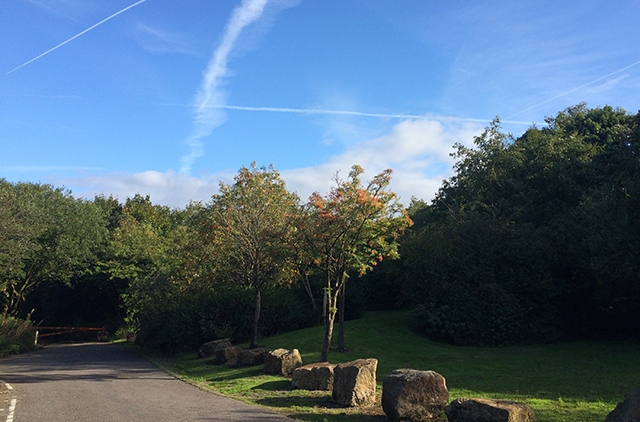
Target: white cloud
(165,188)
(417,151)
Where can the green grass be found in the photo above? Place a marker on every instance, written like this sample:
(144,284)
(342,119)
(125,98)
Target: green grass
(575,381)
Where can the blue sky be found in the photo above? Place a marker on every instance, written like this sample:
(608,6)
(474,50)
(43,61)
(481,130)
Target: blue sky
(168,98)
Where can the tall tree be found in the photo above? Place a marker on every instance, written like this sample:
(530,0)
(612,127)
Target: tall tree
(353,228)
(252,224)
(54,237)
(145,253)
(545,224)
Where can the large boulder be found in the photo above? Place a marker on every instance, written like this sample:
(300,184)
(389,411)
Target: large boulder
(627,410)
(282,362)
(210,348)
(228,356)
(488,410)
(354,383)
(252,357)
(412,395)
(315,376)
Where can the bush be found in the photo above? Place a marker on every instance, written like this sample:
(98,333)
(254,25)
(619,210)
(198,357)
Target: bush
(486,315)
(16,336)
(186,322)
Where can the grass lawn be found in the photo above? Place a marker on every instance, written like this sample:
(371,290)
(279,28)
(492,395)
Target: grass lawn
(577,382)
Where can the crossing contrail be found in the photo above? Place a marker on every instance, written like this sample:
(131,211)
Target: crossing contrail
(76,36)
(343,113)
(577,88)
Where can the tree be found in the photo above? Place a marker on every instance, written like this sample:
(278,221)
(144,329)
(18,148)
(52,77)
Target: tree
(545,224)
(50,237)
(145,254)
(252,225)
(352,229)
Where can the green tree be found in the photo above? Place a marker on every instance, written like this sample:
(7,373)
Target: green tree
(50,237)
(146,251)
(352,229)
(253,230)
(544,224)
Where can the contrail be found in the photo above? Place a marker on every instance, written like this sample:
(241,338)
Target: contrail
(358,113)
(205,120)
(577,88)
(343,113)
(76,36)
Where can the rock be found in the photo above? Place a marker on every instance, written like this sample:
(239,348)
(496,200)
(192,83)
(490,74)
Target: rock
(210,348)
(487,410)
(315,376)
(228,355)
(354,383)
(412,395)
(252,357)
(627,410)
(282,362)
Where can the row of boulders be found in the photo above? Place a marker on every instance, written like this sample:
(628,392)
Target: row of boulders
(223,352)
(407,394)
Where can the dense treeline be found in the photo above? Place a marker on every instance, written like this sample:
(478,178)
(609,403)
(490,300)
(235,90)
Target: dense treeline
(247,263)
(533,239)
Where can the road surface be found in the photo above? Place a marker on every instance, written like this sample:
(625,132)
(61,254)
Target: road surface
(106,382)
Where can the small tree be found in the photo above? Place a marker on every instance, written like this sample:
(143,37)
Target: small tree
(352,229)
(252,223)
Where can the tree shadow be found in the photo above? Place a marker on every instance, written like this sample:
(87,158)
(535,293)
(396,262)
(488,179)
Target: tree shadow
(301,401)
(323,408)
(280,385)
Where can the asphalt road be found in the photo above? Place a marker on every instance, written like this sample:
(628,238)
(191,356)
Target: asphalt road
(106,382)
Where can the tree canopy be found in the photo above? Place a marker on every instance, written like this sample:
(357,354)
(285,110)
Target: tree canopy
(546,226)
(46,235)
(253,230)
(352,229)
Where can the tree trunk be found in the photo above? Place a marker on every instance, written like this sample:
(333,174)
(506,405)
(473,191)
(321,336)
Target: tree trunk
(256,319)
(324,356)
(341,345)
(325,306)
(307,287)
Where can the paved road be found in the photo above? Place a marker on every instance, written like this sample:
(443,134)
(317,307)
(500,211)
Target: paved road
(106,382)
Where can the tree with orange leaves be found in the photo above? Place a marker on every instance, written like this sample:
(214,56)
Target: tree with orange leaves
(351,230)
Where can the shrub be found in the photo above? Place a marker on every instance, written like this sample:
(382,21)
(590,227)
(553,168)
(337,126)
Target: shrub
(191,319)
(16,336)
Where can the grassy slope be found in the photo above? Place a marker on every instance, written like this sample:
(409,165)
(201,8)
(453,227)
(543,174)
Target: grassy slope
(579,381)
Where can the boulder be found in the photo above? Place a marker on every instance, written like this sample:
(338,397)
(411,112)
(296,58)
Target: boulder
(282,362)
(315,376)
(354,383)
(252,357)
(487,410)
(228,355)
(412,395)
(210,348)
(627,410)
